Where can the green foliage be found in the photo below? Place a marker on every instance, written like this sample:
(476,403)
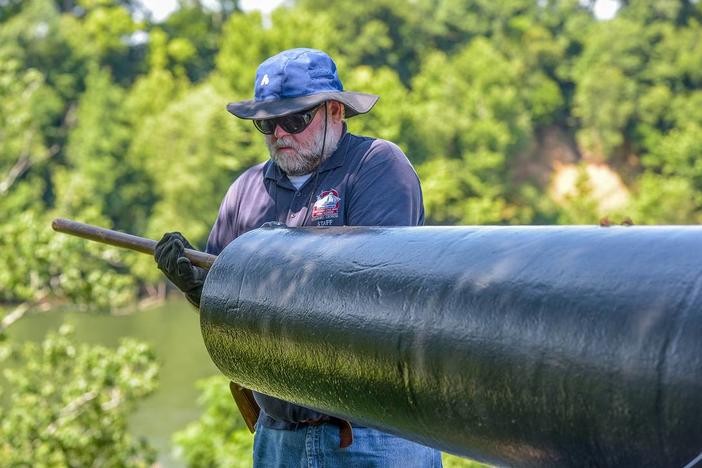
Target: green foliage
(677,153)
(39,265)
(607,88)
(219,437)
(666,200)
(390,116)
(465,162)
(452,461)
(195,37)
(94,152)
(105,23)
(69,403)
(190,147)
(383,33)
(247,41)
(26,107)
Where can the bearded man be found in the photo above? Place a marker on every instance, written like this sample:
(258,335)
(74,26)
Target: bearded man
(318,174)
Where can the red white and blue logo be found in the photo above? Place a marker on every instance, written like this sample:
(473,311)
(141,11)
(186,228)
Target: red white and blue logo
(326,206)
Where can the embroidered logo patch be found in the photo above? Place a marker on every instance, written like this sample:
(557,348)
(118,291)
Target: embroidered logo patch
(265,80)
(326,206)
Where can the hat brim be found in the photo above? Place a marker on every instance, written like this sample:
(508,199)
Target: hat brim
(354,103)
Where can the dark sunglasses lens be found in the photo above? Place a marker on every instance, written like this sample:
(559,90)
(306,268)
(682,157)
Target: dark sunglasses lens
(266,127)
(294,123)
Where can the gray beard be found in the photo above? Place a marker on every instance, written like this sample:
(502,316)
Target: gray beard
(304,160)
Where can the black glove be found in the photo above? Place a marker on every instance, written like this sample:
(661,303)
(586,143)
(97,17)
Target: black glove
(171,260)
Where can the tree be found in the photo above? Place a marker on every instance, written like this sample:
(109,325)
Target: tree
(469,118)
(247,41)
(69,404)
(87,186)
(219,437)
(195,32)
(26,104)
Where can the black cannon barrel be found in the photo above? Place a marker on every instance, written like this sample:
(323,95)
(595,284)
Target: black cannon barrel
(529,346)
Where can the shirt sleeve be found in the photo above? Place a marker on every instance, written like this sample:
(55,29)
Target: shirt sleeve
(223,231)
(386,190)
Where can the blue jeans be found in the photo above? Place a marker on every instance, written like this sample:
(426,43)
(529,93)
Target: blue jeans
(318,447)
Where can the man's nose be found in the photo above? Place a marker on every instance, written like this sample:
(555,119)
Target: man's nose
(279,132)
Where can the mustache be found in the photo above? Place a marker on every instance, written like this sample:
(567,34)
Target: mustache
(286,142)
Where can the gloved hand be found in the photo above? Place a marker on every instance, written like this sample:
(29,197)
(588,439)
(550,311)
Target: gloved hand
(171,260)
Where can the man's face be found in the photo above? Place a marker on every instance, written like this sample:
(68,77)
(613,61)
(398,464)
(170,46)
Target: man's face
(301,153)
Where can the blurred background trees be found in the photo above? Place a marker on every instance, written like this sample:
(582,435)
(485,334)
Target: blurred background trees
(69,404)
(512,112)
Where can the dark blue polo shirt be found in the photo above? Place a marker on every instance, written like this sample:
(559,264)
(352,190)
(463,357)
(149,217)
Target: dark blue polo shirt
(365,182)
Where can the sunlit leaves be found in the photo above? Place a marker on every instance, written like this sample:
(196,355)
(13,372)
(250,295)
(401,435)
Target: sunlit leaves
(40,264)
(219,437)
(95,149)
(389,117)
(247,41)
(69,403)
(666,200)
(107,25)
(25,106)
(193,147)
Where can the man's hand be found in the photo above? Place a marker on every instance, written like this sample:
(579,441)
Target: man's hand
(171,260)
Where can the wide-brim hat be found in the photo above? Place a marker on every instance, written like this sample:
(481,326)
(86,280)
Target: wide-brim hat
(295,80)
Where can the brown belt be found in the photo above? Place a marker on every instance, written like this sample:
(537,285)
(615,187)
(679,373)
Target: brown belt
(345,431)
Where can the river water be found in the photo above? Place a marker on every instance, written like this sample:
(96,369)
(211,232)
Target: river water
(173,330)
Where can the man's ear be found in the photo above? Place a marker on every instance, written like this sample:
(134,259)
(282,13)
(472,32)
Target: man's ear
(336,111)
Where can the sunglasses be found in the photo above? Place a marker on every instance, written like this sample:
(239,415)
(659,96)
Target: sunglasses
(292,123)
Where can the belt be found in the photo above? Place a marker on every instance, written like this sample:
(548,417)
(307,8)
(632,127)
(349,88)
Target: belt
(345,431)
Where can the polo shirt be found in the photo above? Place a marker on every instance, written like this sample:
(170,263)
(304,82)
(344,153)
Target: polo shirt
(365,182)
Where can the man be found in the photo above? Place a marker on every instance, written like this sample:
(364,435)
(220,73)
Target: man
(318,175)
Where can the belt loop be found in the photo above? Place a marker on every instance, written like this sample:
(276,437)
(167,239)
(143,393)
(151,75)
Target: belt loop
(345,429)
(345,434)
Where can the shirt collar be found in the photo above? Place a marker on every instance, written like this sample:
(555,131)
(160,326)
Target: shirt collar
(335,160)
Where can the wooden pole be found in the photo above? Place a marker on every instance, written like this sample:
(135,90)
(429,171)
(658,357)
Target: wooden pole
(121,239)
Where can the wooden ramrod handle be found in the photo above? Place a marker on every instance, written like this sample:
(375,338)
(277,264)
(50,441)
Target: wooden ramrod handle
(121,239)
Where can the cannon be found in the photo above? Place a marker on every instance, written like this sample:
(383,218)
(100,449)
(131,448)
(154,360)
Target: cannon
(525,346)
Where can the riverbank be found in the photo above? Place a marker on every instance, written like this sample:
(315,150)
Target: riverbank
(172,329)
